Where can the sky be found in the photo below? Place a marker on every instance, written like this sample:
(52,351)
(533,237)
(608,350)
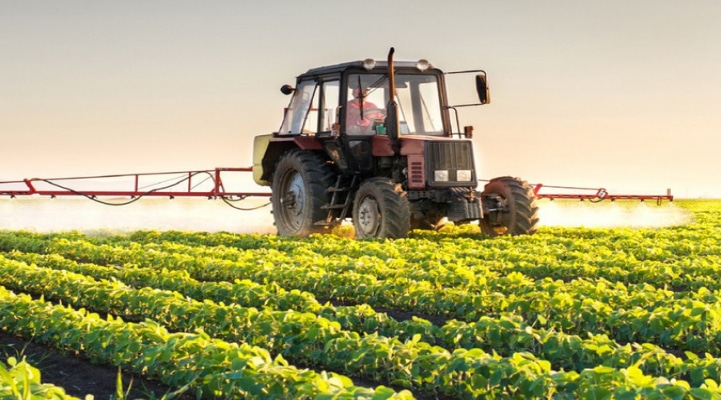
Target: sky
(617,94)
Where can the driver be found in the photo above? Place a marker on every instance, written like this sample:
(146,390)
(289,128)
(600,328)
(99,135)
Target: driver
(361,124)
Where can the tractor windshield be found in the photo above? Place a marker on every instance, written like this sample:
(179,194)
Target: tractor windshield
(419,105)
(417,96)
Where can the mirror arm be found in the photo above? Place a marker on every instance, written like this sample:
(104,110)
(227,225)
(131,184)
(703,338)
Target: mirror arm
(465,105)
(458,122)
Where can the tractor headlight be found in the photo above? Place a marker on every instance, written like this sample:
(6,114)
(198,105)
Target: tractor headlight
(423,65)
(464,175)
(369,64)
(441,175)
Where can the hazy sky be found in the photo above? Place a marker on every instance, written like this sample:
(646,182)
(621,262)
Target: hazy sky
(620,94)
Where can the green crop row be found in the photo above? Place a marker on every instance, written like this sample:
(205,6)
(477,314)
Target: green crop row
(629,256)
(403,292)
(20,380)
(450,264)
(463,374)
(688,252)
(456,262)
(193,360)
(644,314)
(504,335)
(358,318)
(550,309)
(300,337)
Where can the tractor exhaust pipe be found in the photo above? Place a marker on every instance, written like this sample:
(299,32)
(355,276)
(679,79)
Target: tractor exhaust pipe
(392,128)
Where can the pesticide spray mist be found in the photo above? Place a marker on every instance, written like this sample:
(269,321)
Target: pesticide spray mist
(609,214)
(63,214)
(53,215)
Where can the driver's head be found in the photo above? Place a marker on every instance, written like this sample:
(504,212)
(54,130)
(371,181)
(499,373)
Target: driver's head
(357,92)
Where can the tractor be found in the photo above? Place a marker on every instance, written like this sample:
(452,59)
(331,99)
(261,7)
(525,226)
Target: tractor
(373,141)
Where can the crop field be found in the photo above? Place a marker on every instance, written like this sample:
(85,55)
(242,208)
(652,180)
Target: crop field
(566,313)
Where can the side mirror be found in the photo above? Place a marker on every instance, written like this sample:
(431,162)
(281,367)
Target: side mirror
(484,94)
(287,89)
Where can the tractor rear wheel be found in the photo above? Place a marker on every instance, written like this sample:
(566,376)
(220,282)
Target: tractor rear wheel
(299,186)
(509,207)
(381,210)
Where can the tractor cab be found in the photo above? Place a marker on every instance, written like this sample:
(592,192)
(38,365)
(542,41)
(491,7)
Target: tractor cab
(374,142)
(351,99)
(346,105)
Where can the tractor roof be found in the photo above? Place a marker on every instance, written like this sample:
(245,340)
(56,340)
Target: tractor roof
(380,65)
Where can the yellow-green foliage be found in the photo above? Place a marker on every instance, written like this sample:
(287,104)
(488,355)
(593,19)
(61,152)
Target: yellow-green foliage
(566,313)
(21,381)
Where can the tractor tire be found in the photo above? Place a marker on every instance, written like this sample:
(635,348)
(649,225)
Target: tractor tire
(299,191)
(381,210)
(509,208)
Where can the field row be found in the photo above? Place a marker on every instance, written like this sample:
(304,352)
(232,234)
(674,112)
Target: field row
(461,374)
(686,321)
(505,335)
(566,313)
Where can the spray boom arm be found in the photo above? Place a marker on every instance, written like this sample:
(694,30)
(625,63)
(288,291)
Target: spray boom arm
(209,184)
(601,194)
(202,183)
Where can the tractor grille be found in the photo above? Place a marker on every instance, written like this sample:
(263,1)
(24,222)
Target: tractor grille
(451,156)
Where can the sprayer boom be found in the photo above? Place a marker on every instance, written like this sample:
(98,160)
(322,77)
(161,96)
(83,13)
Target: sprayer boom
(595,195)
(203,183)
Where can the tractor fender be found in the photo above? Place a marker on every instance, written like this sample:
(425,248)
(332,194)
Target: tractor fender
(260,146)
(267,150)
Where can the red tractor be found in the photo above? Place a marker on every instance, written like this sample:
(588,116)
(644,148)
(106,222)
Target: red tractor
(366,140)
(373,141)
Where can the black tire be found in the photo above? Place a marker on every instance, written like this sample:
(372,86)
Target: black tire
(509,207)
(299,190)
(380,210)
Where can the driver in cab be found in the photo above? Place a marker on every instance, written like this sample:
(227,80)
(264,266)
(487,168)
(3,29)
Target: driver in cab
(361,114)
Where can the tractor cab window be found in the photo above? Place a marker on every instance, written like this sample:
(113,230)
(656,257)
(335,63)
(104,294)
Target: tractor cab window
(328,104)
(312,110)
(298,116)
(365,108)
(417,96)
(419,104)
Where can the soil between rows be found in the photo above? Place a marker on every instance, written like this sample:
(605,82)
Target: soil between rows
(77,375)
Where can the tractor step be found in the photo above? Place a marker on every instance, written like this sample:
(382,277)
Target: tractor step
(323,223)
(333,207)
(340,200)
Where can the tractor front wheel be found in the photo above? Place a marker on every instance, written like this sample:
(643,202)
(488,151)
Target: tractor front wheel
(299,192)
(381,210)
(509,207)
